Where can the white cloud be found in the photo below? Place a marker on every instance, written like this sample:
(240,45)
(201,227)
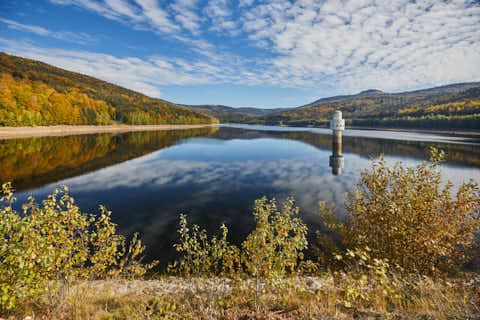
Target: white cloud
(245,3)
(143,75)
(184,13)
(121,7)
(362,44)
(348,45)
(94,6)
(81,38)
(220,15)
(156,16)
(142,14)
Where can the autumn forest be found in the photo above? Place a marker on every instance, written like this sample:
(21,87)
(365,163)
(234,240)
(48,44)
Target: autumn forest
(33,93)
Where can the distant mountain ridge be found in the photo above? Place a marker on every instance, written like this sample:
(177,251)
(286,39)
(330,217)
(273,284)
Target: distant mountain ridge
(446,107)
(230,114)
(454,87)
(35,93)
(451,106)
(421,92)
(345,97)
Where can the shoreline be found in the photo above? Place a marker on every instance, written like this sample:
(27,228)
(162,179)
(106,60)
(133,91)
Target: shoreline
(449,131)
(67,130)
(463,132)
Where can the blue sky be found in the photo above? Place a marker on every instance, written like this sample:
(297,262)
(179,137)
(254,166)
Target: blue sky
(260,53)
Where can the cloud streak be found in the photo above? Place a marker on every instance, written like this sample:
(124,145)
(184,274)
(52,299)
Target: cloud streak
(80,38)
(143,75)
(318,45)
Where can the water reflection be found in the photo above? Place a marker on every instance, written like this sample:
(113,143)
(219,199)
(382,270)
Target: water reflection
(461,154)
(337,161)
(213,175)
(33,162)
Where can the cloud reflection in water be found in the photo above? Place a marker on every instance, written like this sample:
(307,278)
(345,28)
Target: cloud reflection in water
(215,181)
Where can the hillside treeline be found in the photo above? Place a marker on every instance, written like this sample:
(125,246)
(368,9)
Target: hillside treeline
(447,110)
(234,115)
(225,114)
(34,93)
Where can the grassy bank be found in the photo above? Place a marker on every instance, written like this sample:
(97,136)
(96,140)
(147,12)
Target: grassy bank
(319,297)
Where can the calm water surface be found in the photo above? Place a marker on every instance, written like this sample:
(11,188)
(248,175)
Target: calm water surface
(213,174)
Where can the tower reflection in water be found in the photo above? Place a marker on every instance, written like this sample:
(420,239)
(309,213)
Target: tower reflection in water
(337,124)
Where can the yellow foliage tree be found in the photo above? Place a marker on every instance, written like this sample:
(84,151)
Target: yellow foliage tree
(54,244)
(407,215)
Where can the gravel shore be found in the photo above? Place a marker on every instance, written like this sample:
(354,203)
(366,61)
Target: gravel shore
(64,130)
(181,286)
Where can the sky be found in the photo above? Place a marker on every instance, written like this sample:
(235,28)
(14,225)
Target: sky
(255,53)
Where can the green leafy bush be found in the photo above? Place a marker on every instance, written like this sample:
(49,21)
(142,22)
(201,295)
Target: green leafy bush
(203,255)
(270,252)
(53,245)
(277,243)
(407,215)
(272,249)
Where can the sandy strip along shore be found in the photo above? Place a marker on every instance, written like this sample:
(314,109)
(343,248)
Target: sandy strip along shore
(463,132)
(64,130)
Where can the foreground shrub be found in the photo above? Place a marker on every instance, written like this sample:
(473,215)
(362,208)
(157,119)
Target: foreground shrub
(272,249)
(203,255)
(276,245)
(408,216)
(53,245)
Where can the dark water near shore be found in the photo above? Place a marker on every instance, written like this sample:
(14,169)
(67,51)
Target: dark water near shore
(213,174)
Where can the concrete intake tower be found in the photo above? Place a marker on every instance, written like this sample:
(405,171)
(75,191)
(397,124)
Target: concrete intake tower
(337,124)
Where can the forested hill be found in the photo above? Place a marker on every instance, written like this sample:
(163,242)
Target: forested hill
(229,114)
(455,106)
(35,93)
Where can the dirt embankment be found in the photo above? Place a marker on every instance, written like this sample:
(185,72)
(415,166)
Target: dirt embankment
(64,130)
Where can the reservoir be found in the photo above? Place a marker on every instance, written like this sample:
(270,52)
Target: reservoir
(214,174)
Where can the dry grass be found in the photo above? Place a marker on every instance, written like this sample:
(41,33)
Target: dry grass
(297,298)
